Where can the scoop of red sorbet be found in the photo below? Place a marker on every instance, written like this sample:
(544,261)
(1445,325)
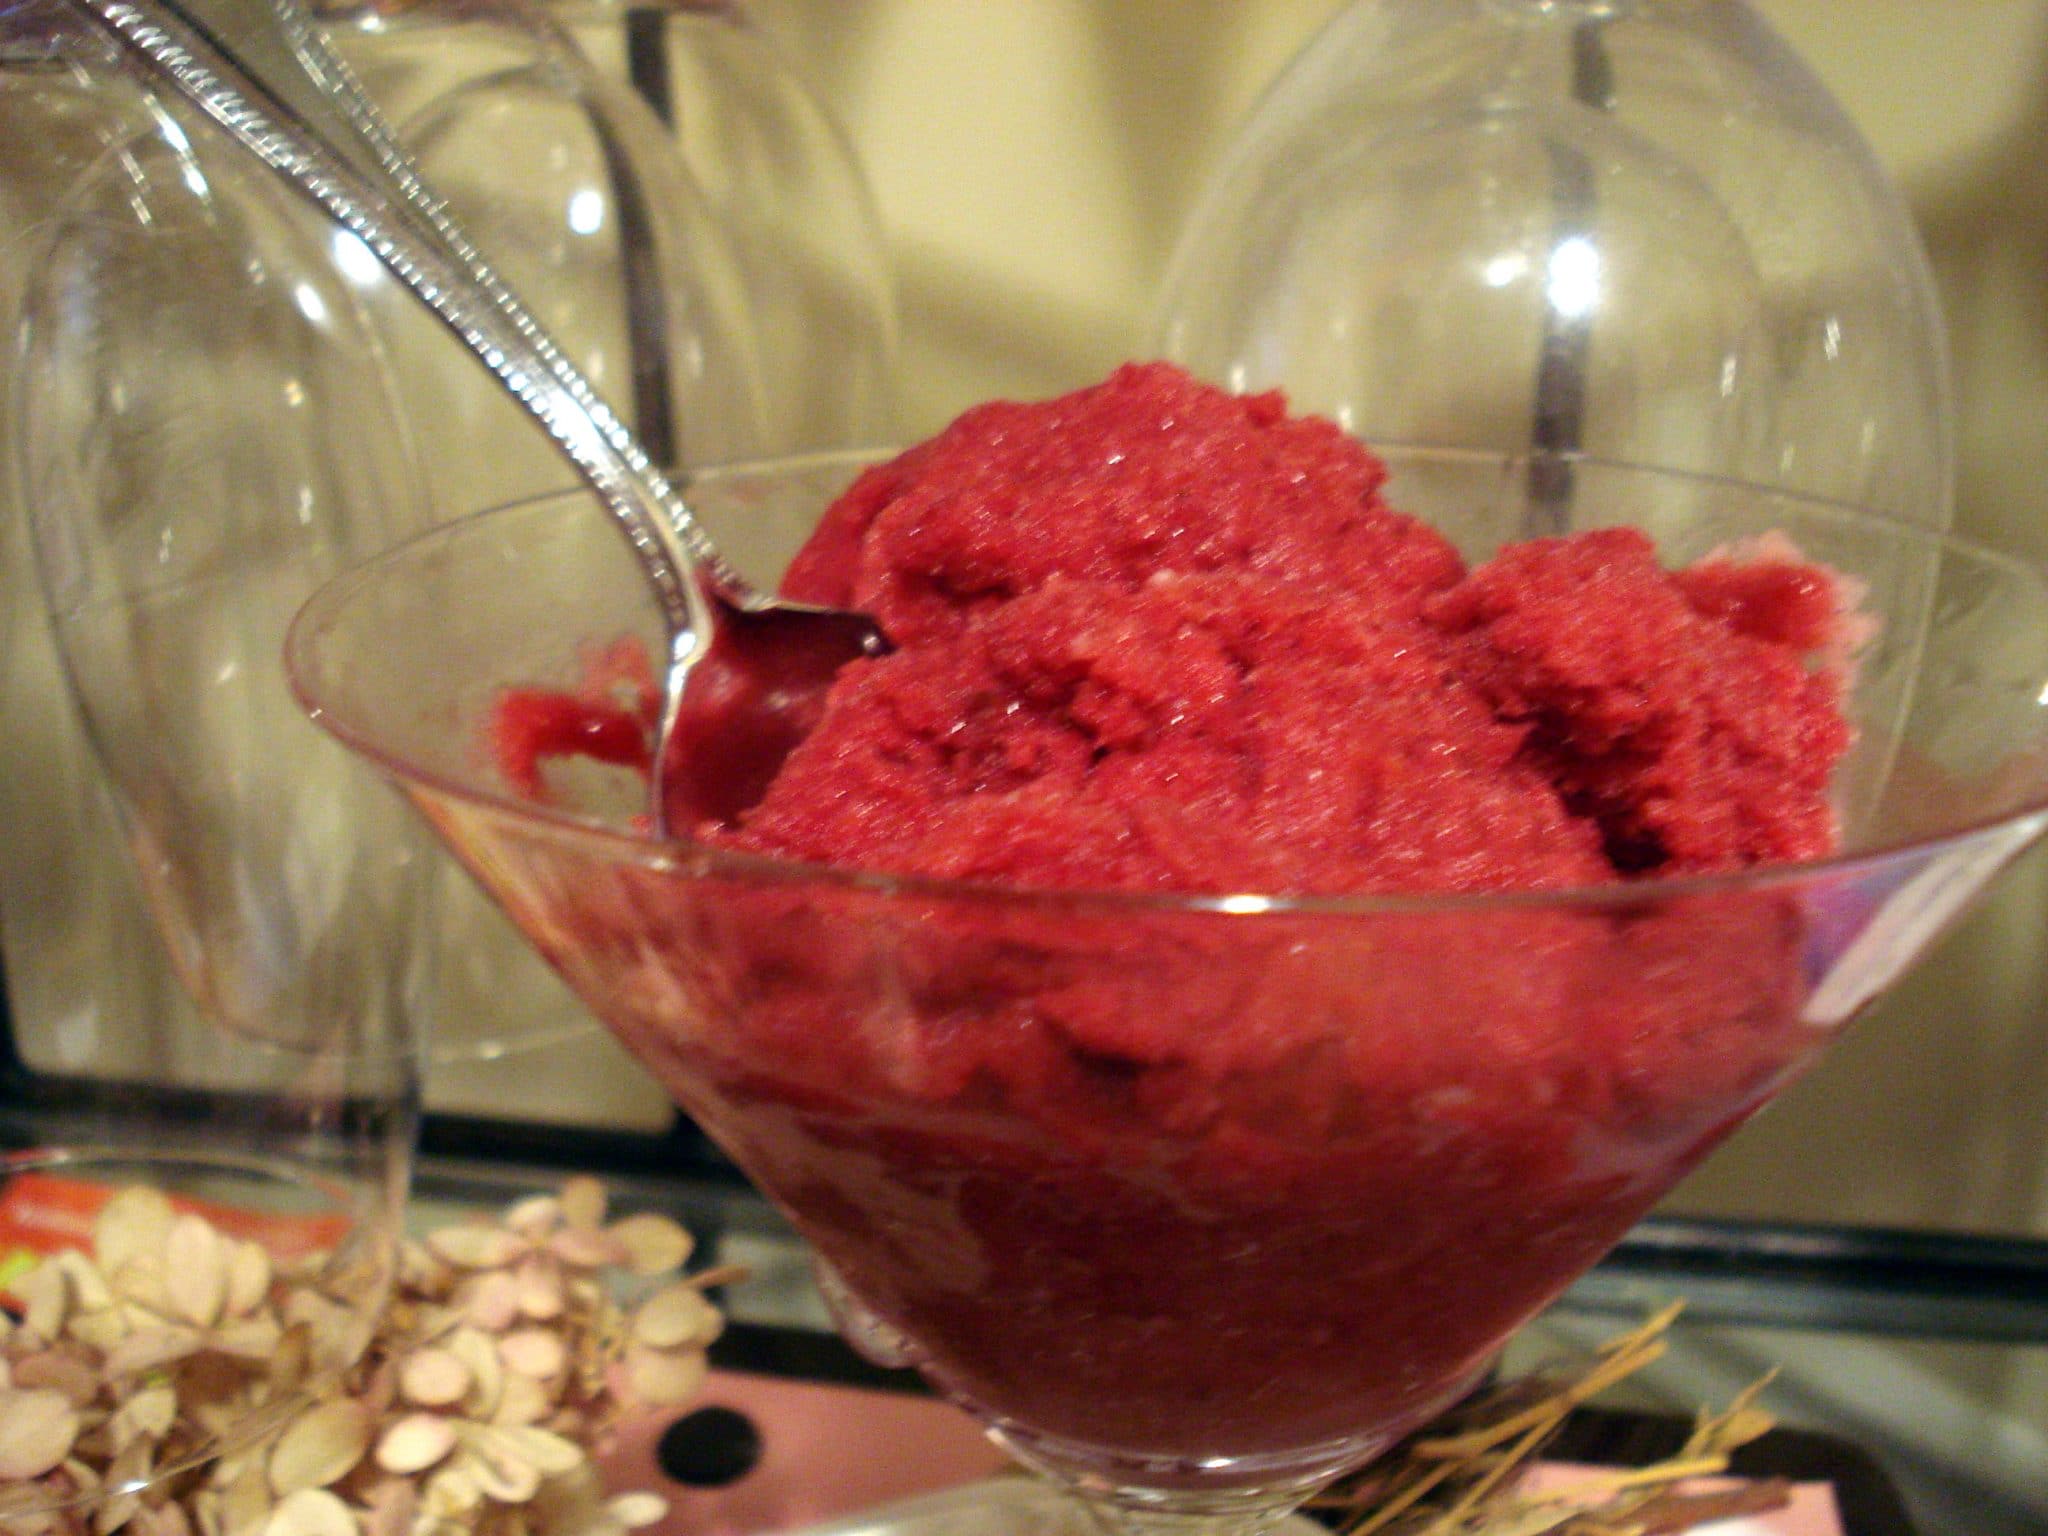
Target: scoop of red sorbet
(1150,636)
(1154,635)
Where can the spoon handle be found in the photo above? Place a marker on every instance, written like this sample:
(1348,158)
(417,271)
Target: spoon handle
(261,71)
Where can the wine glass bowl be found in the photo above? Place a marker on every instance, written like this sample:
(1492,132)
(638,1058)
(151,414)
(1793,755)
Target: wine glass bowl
(1200,1200)
(1640,229)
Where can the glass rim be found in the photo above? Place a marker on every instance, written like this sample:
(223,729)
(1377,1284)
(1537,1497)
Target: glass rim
(690,857)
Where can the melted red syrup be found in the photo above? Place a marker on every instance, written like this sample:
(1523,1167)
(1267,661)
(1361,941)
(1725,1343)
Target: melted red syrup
(607,718)
(1782,601)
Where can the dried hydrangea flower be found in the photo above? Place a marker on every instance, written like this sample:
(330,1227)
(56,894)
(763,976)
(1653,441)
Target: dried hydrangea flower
(501,1364)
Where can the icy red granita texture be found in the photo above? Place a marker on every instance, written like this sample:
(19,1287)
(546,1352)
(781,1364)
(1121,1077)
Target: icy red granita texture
(1197,1183)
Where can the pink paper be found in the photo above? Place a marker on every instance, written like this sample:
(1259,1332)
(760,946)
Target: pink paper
(834,1451)
(827,1451)
(1812,1512)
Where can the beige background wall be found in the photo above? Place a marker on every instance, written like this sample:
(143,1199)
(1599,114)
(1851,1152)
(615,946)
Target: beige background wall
(1033,160)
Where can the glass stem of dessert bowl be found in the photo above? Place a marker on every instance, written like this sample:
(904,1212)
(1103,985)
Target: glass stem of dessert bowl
(260,69)
(1251,1516)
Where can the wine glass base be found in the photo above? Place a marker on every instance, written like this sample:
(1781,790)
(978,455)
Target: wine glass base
(1027,1506)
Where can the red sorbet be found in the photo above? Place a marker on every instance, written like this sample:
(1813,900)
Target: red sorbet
(1149,1182)
(1152,635)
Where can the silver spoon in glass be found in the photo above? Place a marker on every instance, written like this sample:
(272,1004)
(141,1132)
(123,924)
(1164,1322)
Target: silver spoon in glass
(261,70)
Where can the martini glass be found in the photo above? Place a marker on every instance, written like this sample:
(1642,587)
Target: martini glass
(1200,1201)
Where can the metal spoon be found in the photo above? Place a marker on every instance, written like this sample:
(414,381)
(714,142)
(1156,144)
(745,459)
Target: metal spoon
(261,70)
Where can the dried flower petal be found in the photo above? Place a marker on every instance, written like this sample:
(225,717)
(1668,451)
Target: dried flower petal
(249,1276)
(246,1504)
(113,1513)
(586,1248)
(419,1272)
(491,1300)
(99,1331)
(659,1376)
(534,1352)
(319,1447)
(475,1246)
(676,1316)
(450,1494)
(248,1338)
(535,1217)
(150,1410)
(635,1510)
(479,1352)
(293,1356)
(89,1289)
(121,1490)
(654,1244)
(542,1294)
(37,1428)
(86,1479)
(376,1385)
(433,1378)
(327,1325)
(57,1371)
(312,1512)
(553,1454)
(583,1202)
(390,1506)
(140,1281)
(195,1270)
(162,1520)
(501,1472)
(45,1297)
(150,1349)
(415,1443)
(134,1223)
(525,1400)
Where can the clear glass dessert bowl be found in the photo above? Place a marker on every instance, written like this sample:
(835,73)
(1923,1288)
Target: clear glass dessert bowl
(1199,1201)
